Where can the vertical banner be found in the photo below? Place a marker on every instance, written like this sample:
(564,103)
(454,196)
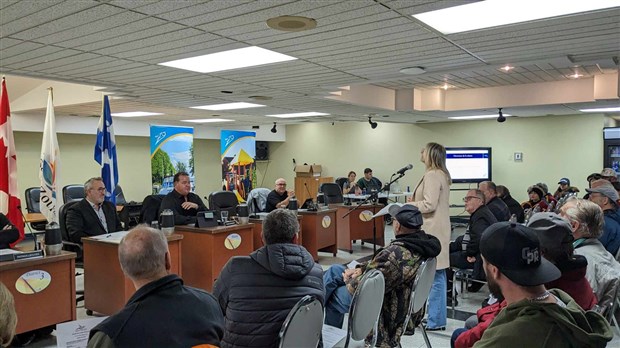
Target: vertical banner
(238,150)
(172,151)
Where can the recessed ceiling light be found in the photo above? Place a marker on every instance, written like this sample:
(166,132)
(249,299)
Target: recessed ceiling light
(299,114)
(228,60)
(507,68)
(576,75)
(445,86)
(414,70)
(476,117)
(291,23)
(135,114)
(493,13)
(612,109)
(208,120)
(228,106)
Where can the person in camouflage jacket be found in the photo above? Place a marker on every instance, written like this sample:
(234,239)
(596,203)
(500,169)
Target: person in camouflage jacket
(398,262)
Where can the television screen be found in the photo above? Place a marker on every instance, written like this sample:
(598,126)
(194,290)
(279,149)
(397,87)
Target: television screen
(469,164)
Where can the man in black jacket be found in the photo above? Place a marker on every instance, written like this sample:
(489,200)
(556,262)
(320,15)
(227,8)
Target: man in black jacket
(92,215)
(8,232)
(257,292)
(495,204)
(162,312)
(183,203)
(515,207)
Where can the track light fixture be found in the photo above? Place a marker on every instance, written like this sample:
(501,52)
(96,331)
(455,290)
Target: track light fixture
(373,125)
(500,117)
(273,129)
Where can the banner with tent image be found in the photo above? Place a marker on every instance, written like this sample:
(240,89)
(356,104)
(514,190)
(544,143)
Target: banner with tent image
(172,151)
(238,150)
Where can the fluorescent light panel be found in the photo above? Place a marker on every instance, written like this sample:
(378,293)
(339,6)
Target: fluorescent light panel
(493,13)
(228,60)
(476,117)
(135,114)
(228,106)
(614,109)
(208,120)
(299,114)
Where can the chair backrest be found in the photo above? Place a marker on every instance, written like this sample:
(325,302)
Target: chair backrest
(332,193)
(257,200)
(73,192)
(421,288)
(223,200)
(62,219)
(340,181)
(33,196)
(303,324)
(150,208)
(366,306)
(120,196)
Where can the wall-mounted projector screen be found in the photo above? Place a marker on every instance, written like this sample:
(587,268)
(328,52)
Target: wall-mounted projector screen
(469,164)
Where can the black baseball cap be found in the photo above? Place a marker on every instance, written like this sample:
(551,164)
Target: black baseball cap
(406,214)
(515,250)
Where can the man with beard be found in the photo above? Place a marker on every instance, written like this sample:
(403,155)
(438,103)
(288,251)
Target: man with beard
(534,316)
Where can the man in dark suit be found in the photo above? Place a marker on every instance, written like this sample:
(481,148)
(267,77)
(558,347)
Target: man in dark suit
(184,204)
(92,215)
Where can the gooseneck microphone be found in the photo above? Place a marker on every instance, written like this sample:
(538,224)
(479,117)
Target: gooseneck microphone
(402,170)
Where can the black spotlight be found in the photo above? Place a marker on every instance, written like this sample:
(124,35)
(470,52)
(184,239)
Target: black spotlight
(500,117)
(373,125)
(273,129)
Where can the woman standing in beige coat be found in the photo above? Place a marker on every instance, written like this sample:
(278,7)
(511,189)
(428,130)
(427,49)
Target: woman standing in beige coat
(432,197)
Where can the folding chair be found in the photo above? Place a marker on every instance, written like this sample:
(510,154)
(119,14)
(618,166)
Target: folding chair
(302,326)
(420,290)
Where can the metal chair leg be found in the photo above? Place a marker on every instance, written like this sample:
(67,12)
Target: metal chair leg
(426,340)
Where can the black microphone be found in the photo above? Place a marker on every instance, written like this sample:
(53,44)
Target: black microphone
(402,170)
(311,206)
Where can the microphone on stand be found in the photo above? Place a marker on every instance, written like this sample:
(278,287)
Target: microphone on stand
(311,205)
(402,170)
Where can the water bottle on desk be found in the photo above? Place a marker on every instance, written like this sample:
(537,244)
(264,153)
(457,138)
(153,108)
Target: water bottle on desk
(167,221)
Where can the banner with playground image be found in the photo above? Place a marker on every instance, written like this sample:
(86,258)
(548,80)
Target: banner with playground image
(238,150)
(172,151)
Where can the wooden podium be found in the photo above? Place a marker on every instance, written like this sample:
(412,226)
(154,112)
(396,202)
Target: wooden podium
(312,183)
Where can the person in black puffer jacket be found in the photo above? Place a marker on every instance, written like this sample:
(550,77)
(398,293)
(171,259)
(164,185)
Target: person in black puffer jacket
(257,292)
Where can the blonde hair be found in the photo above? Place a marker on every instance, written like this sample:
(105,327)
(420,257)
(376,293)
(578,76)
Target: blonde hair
(8,317)
(435,158)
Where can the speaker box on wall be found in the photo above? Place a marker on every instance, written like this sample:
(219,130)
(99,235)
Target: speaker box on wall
(262,150)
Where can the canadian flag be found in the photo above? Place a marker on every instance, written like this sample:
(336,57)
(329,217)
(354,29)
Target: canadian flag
(10,204)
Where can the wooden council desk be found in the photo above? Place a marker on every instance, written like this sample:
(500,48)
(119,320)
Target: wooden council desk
(206,251)
(258,230)
(106,289)
(319,231)
(52,305)
(358,225)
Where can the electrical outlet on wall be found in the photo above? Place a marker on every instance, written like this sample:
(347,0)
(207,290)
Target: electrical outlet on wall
(518,156)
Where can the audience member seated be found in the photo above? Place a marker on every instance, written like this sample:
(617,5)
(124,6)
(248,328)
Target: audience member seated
(399,263)
(548,196)
(534,316)
(609,174)
(8,232)
(350,186)
(369,182)
(8,317)
(564,189)
(279,197)
(184,204)
(162,312)
(257,292)
(556,245)
(495,204)
(537,201)
(466,337)
(92,215)
(513,205)
(605,196)
(592,177)
(465,250)
(603,271)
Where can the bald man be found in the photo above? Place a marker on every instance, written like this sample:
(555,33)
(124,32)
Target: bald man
(279,197)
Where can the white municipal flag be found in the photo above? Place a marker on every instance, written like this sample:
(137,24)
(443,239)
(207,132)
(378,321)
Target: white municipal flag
(51,199)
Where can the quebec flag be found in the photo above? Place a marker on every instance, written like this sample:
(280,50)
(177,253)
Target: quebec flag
(105,152)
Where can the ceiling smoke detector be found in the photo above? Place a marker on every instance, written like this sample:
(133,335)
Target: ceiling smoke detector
(291,23)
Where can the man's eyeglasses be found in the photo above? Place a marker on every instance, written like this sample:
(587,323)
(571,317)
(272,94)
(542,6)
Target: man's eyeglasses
(280,184)
(467,198)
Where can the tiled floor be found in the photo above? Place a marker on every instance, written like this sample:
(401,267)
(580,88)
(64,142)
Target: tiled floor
(438,339)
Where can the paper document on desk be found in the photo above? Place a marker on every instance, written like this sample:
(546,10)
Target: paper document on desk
(114,237)
(332,335)
(74,334)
